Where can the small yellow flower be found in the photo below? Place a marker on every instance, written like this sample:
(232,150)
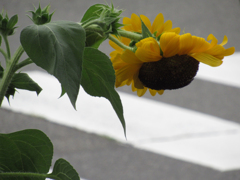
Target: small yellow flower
(134,24)
(170,63)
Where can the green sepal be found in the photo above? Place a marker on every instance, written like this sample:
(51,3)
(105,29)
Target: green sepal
(12,22)
(145,31)
(41,16)
(98,79)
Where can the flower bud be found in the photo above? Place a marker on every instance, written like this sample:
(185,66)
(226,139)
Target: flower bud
(7,25)
(105,17)
(41,16)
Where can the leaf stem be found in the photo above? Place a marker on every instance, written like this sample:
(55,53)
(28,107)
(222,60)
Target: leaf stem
(119,43)
(7,47)
(3,53)
(9,72)
(23,63)
(27,174)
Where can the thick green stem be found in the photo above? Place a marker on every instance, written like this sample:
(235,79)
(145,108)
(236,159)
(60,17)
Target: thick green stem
(29,175)
(119,43)
(9,72)
(130,35)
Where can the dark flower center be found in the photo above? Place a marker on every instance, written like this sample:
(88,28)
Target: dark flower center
(169,73)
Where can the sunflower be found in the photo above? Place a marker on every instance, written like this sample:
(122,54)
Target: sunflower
(169,61)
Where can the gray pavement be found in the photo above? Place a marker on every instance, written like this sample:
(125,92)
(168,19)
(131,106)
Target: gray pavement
(101,158)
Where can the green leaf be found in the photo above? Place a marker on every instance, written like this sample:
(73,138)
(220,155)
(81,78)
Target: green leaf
(58,48)
(20,81)
(98,79)
(64,171)
(145,31)
(25,151)
(23,81)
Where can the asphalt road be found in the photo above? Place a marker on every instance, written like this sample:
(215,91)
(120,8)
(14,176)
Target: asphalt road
(100,158)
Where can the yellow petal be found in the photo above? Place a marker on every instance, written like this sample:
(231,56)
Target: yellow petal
(216,50)
(152,92)
(199,44)
(214,40)
(229,51)
(160,92)
(158,22)
(167,25)
(169,43)
(117,62)
(127,24)
(129,57)
(113,54)
(126,72)
(115,46)
(127,82)
(225,40)
(133,88)
(136,82)
(185,44)
(136,23)
(146,55)
(148,50)
(146,21)
(177,30)
(141,92)
(220,51)
(207,59)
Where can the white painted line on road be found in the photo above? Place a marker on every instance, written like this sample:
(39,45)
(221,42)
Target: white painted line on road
(151,125)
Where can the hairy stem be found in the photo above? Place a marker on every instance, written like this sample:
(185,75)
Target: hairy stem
(119,43)
(9,72)
(130,35)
